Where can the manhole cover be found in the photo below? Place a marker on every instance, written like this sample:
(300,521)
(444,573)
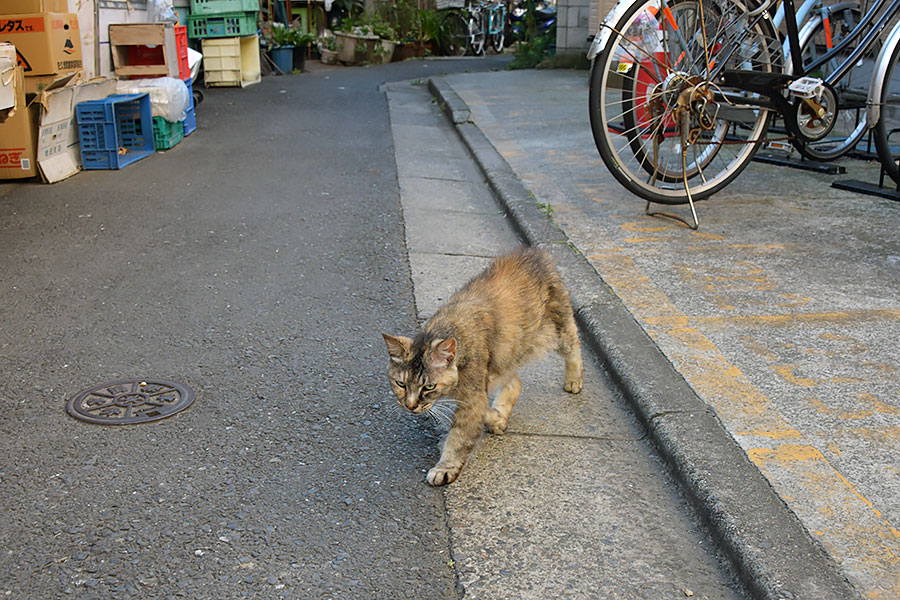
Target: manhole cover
(130,401)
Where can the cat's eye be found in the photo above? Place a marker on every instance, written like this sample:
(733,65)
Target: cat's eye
(429,386)
(399,383)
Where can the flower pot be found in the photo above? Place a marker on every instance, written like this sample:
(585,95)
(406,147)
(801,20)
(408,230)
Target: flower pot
(404,51)
(328,57)
(385,51)
(283,57)
(355,49)
(300,57)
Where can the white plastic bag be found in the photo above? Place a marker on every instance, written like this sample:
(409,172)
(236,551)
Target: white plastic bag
(160,11)
(168,95)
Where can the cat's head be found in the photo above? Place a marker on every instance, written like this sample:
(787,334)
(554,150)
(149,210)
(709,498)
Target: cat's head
(421,370)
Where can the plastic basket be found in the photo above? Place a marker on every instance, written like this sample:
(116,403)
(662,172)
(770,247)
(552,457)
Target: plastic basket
(116,131)
(165,134)
(190,118)
(215,7)
(231,61)
(181,47)
(226,25)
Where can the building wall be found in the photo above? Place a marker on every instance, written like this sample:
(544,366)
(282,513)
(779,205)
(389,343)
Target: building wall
(572,26)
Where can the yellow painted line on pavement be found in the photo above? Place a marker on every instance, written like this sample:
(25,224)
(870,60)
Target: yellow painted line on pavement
(849,525)
(874,543)
(847,317)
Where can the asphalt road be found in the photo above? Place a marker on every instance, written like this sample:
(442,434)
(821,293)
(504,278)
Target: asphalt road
(258,262)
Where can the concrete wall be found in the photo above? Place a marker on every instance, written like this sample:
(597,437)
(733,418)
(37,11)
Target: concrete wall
(572,26)
(577,21)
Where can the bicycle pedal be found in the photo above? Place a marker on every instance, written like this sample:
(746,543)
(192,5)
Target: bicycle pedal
(780,146)
(807,87)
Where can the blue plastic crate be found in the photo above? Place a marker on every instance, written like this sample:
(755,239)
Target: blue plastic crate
(190,118)
(116,131)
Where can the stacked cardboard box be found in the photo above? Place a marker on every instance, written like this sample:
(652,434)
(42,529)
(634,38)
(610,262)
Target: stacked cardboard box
(45,40)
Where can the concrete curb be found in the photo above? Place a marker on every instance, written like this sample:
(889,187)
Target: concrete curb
(770,549)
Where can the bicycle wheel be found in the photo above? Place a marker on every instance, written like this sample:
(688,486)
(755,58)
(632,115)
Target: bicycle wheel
(887,129)
(498,30)
(457,35)
(817,37)
(653,59)
(476,35)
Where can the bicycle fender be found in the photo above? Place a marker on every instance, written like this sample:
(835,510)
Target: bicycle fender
(606,28)
(873,108)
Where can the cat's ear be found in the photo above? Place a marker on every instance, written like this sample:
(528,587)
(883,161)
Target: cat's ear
(398,346)
(442,353)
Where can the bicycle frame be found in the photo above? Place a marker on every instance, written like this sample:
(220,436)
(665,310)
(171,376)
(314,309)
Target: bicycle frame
(495,12)
(769,85)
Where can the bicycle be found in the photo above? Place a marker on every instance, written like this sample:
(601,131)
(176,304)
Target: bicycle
(704,77)
(458,39)
(494,16)
(477,32)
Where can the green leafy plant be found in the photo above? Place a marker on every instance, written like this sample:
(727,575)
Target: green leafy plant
(282,35)
(430,26)
(531,52)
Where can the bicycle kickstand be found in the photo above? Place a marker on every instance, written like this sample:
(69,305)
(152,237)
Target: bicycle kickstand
(685,139)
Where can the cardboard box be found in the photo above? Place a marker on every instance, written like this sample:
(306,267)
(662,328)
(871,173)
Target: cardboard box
(125,38)
(17,138)
(7,76)
(21,7)
(58,153)
(46,43)
(38,83)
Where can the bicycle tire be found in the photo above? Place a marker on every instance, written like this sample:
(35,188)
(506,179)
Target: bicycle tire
(852,90)
(498,34)
(634,89)
(457,35)
(476,34)
(888,124)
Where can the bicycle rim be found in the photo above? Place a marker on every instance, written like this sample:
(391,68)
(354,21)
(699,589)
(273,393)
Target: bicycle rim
(497,40)
(457,35)
(887,130)
(852,91)
(476,37)
(655,54)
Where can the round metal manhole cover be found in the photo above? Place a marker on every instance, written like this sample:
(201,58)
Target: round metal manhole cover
(130,401)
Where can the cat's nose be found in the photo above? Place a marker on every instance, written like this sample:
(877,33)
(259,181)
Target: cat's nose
(412,402)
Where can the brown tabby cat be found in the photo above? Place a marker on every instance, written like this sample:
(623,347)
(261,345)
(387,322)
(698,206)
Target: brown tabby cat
(513,312)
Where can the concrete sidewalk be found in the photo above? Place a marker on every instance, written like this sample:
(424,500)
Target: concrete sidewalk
(571,502)
(780,313)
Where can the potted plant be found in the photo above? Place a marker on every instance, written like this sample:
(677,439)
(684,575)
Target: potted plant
(301,45)
(282,40)
(327,50)
(407,20)
(430,27)
(355,43)
(387,36)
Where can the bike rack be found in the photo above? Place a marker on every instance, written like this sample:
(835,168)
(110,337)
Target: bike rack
(871,189)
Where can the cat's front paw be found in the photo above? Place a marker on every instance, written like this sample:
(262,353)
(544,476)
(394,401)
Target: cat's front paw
(442,475)
(574,386)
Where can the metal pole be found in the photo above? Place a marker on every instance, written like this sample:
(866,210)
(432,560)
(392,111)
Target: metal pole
(96,38)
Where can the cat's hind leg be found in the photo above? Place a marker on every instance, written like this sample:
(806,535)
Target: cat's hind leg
(570,349)
(497,417)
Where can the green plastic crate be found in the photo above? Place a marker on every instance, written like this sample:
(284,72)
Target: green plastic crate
(225,25)
(165,134)
(217,7)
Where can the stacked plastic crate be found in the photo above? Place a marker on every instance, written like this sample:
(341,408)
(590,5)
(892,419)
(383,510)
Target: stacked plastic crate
(230,41)
(143,50)
(114,132)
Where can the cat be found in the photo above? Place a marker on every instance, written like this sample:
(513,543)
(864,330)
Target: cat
(511,313)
